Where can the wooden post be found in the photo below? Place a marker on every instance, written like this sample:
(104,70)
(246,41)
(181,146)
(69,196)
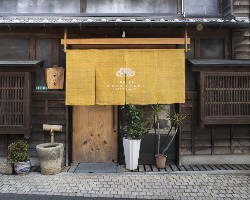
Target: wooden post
(83,6)
(231,140)
(197,48)
(202,94)
(27,104)
(55,52)
(67,137)
(186,44)
(194,122)
(180,7)
(212,139)
(32,49)
(65,39)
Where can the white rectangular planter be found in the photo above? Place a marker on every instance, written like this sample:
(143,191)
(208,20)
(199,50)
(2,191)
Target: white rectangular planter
(131,152)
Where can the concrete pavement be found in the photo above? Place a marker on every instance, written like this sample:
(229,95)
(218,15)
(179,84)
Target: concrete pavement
(121,185)
(10,196)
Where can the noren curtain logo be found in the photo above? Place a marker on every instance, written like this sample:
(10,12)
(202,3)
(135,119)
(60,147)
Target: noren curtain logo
(125,71)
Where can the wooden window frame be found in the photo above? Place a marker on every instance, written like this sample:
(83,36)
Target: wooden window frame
(26,127)
(227,45)
(205,120)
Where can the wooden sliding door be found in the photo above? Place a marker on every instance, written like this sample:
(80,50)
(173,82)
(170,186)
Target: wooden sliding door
(94,134)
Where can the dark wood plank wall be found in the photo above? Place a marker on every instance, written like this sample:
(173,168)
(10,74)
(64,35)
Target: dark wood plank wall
(47,107)
(212,139)
(236,8)
(103,32)
(241,43)
(241,8)
(186,137)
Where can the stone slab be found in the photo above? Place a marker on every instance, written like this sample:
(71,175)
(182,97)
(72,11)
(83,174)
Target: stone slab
(6,168)
(96,168)
(215,159)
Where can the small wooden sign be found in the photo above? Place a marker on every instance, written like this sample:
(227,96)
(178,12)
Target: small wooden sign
(54,77)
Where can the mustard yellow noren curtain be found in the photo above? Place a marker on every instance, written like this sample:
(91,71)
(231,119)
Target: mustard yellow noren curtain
(110,85)
(170,76)
(80,78)
(141,87)
(131,76)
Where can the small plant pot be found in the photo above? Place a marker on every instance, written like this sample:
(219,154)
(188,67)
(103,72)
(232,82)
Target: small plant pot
(160,161)
(131,152)
(22,167)
(50,156)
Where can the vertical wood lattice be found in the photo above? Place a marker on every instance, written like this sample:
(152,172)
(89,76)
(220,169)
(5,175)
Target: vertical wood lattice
(12,99)
(227,95)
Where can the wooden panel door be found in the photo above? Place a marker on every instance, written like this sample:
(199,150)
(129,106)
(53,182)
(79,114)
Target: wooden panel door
(94,137)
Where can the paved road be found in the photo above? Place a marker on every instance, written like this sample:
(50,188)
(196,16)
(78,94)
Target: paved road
(143,186)
(44,197)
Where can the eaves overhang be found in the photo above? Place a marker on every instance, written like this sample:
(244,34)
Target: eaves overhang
(21,65)
(219,64)
(140,20)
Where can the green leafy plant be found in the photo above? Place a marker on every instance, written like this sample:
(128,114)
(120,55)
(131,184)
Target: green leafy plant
(136,125)
(18,151)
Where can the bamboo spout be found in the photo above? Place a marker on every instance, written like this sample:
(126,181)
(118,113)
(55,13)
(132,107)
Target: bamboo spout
(52,129)
(52,136)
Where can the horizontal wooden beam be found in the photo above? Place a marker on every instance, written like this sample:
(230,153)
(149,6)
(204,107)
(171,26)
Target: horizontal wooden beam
(119,46)
(127,41)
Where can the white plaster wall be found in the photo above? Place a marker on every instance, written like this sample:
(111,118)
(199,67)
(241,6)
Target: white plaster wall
(132,6)
(201,7)
(39,6)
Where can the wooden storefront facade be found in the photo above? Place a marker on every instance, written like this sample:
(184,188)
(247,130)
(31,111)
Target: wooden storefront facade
(198,142)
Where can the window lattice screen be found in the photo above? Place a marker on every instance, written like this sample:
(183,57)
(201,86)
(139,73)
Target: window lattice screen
(11,99)
(227,95)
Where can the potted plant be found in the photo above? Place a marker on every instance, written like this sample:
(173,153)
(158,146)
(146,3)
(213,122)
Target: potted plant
(18,153)
(176,120)
(135,128)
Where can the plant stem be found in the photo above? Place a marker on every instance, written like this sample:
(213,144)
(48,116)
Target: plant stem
(171,141)
(159,135)
(171,127)
(154,123)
